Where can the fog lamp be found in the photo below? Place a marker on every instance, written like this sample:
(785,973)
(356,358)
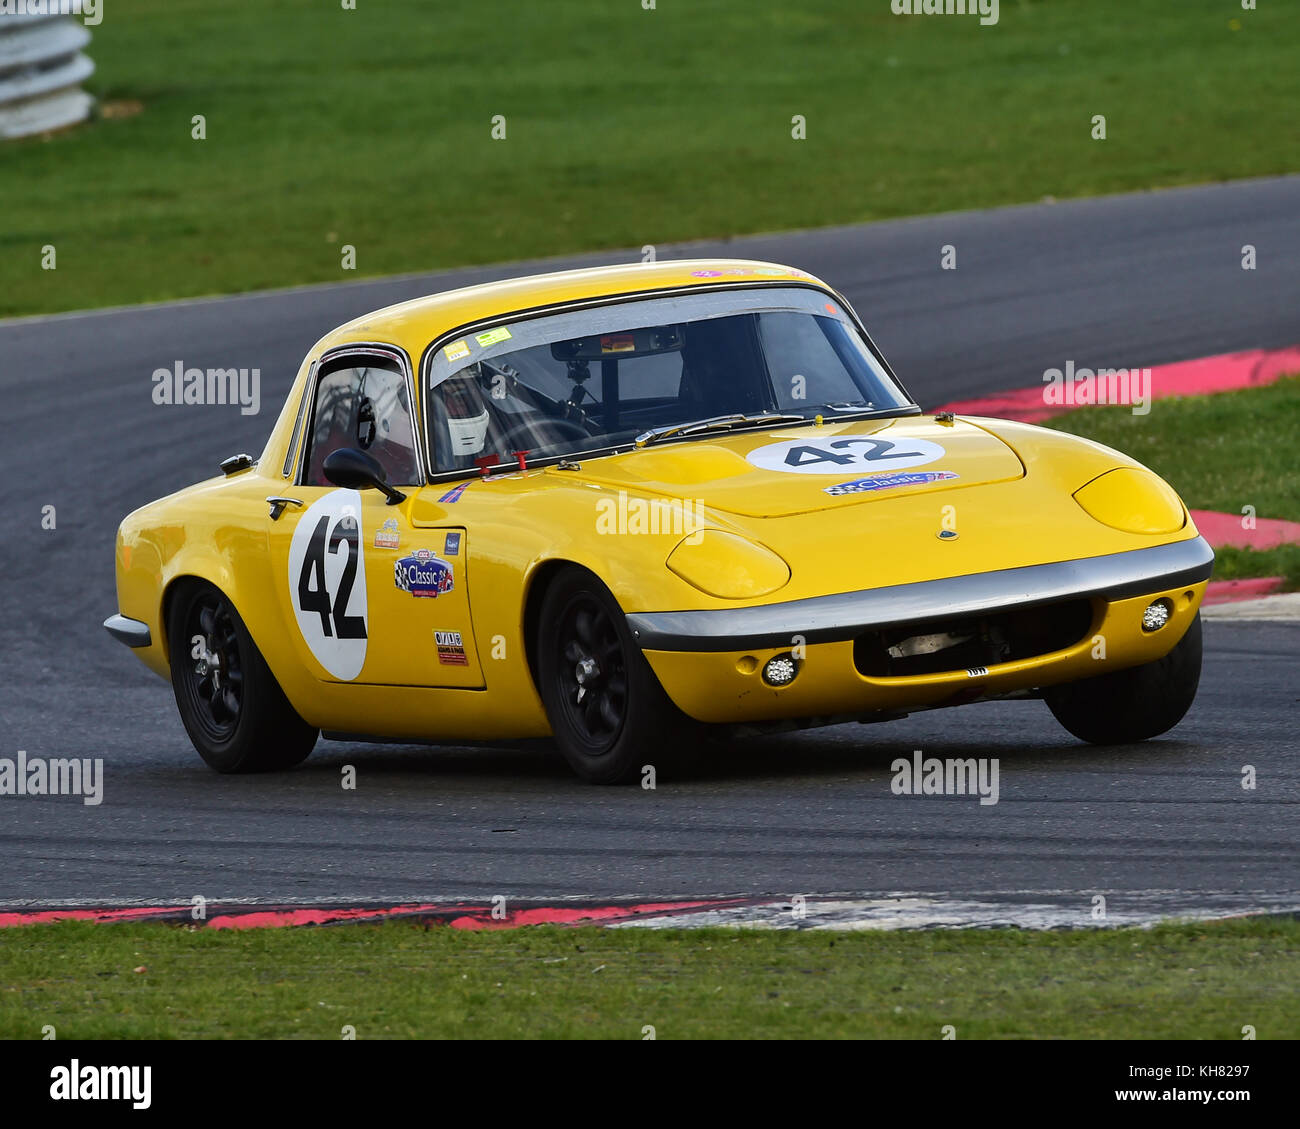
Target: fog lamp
(1156,615)
(780,671)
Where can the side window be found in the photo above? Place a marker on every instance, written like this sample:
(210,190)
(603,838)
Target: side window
(362,403)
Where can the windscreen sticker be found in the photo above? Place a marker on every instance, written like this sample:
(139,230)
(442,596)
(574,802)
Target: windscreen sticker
(861,453)
(327,582)
(618,343)
(423,574)
(451,648)
(888,482)
(456,350)
(492,336)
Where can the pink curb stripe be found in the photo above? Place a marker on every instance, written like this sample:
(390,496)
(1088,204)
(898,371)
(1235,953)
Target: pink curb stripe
(455,915)
(1225,529)
(1222,373)
(1230,591)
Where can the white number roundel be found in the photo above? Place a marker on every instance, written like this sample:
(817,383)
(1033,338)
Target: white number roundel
(846,455)
(327,582)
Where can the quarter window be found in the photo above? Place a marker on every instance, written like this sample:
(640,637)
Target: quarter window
(363,403)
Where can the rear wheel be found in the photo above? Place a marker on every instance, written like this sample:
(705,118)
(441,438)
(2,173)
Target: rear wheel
(607,710)
(1134,704)
(229,701)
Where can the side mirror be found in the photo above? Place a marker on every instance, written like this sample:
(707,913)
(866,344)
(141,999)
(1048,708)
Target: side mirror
(356,470)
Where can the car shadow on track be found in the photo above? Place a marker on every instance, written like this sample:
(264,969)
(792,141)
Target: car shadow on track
(839,752)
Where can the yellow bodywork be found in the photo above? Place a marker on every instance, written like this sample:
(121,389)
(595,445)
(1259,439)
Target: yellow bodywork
(757,537)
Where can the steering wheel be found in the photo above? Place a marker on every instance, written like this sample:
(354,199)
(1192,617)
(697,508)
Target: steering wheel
(519,436)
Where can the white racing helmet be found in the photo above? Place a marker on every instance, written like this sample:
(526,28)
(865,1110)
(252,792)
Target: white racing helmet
(467,415)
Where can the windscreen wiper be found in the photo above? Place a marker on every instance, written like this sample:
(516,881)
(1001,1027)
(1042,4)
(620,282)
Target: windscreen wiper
(713,423)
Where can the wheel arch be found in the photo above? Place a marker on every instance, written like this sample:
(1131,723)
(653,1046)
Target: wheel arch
(539,581)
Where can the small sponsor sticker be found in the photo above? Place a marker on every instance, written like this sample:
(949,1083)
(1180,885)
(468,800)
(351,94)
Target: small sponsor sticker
(451,648)
(387,536)
(452,548)
(456,350)
(706,274)
(618,343)
(422,573)
(888,482)
(492,336)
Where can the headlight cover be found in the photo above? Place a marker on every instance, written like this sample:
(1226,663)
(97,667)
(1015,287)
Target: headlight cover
(728,566)
(1133,500)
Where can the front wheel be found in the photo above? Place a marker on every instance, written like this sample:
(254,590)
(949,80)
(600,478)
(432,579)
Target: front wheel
(607,710)
(229,701)
(1131,705)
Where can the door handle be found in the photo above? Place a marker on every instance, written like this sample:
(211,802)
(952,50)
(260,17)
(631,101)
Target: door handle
(278,505)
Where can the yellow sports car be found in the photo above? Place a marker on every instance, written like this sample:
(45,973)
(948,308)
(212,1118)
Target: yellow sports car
(613,506)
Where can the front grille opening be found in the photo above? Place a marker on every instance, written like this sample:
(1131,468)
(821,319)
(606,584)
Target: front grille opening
(937,646)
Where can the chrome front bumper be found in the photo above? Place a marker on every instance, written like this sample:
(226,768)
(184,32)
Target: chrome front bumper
(827,619)
(129,631)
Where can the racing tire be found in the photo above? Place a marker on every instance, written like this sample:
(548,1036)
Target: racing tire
(1132,705)
(608,712)
(229,701)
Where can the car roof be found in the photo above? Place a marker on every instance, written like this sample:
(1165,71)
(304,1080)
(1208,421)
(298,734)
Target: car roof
(414,324)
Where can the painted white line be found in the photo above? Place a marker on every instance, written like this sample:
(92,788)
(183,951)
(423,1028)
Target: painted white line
(1284,607)
(921,912)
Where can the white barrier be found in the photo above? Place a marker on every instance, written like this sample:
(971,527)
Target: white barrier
(41,68)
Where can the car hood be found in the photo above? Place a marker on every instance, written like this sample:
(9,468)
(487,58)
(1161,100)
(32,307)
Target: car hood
(786,471)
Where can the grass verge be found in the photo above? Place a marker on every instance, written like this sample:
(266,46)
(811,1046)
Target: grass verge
(403,981)
(624,126)
(1220,452)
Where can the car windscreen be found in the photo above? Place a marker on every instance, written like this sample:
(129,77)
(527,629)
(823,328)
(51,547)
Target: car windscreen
(594,379)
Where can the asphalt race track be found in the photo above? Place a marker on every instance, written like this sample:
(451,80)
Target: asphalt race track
(1119,282)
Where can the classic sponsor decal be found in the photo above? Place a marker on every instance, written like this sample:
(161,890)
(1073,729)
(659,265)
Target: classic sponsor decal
(453,495)
(862,453)
(423,574)
(387,536)
(451,650)
(327,582)
(618,343)
(456,350)
(887,482)
(492,336)
(452,548)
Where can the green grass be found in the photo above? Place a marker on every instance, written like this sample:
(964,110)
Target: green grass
(403,981)
(625,127)
(1221,452)
(1241,564)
